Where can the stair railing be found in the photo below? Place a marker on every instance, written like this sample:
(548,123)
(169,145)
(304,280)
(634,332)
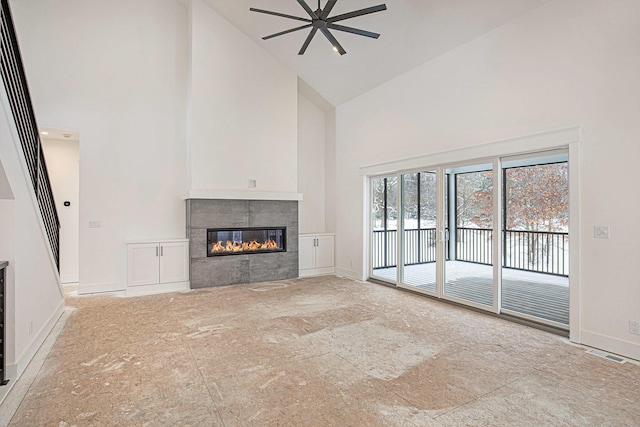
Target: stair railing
(15,83)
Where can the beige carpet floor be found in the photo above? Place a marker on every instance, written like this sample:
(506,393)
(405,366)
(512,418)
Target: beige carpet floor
(316,352)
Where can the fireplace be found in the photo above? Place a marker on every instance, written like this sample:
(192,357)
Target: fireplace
(241,241)
(210,221)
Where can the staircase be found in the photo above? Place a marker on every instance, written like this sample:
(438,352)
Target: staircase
(15,84)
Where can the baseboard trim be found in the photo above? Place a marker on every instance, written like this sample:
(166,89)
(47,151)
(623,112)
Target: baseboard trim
(611,345)
(16,369)
(316,272)
(97,288)
(68,278)
(159,288)
(13,393)
(351,274)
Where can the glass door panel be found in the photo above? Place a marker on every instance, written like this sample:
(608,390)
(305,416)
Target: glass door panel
(468,267)
(384,224)
(493,235)
(419,230)
(535,259)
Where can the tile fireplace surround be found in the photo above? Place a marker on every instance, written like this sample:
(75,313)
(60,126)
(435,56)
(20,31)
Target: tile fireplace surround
(250,268)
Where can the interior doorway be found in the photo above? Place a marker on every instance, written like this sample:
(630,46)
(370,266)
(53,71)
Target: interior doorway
(62,155)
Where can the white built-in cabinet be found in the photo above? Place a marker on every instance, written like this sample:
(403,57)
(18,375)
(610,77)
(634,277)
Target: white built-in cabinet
(157,266)
(316,254)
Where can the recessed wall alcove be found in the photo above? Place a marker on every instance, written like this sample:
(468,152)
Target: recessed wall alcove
(207,271)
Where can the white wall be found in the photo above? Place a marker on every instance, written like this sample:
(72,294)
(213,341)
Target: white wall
(243,118)
(569,62)
(120,73)
(34,296)
(311,166)
(331,186)
(117,72)
(62,159)
(5,187)
(7,253)
(316,160)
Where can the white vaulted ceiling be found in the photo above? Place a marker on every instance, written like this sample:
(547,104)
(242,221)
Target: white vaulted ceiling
(413,32)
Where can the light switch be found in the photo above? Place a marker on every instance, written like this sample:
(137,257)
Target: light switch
(601,231)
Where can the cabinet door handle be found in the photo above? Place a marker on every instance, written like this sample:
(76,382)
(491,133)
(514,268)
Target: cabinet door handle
(161,250)
(156,251)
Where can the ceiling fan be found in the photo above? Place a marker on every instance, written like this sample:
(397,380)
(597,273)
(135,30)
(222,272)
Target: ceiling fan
(320,20)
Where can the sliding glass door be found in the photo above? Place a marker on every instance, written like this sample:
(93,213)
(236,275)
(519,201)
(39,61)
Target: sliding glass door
(384,221)
(492,234)
(535,257)
(419,236)
(469,267)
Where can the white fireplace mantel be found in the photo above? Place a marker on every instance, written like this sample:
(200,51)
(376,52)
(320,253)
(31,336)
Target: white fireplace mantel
(203,193)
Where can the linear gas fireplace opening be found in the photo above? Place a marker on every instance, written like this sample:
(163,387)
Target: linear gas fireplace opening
(241,241)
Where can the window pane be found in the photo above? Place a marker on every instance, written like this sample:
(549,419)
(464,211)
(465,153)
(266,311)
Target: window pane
(474,199)
(378,203)
(537,198)
(428,200)
(392,207)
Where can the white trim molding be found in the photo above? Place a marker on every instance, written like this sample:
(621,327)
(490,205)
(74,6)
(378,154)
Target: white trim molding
(611,345)
(542,141)
(16,369)
(203,193)
(97,288)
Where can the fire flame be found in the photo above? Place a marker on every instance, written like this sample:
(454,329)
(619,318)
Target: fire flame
(253,245)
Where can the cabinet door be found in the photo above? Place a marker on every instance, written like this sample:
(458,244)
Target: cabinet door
(306,252)
(174,262)
(324,252)
(142,267)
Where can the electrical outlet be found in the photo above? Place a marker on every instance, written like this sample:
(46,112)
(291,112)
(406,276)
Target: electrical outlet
(634,327)
(95,224)
(252,183)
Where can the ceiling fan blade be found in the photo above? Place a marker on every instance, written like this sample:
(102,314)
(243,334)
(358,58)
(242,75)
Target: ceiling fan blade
(333,41)
(360,12)
(286,32)
(327,9)
(307,41)
(306,7)
(268,12)
(353,30)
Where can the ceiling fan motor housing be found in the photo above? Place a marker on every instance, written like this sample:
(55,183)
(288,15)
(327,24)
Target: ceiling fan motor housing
(321,21)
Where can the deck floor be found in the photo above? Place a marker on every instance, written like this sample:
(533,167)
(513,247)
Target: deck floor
(540,295)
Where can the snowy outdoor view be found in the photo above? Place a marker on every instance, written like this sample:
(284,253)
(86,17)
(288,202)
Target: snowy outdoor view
(535,214)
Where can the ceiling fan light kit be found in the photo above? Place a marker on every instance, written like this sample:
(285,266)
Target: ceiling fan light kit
(319,20)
